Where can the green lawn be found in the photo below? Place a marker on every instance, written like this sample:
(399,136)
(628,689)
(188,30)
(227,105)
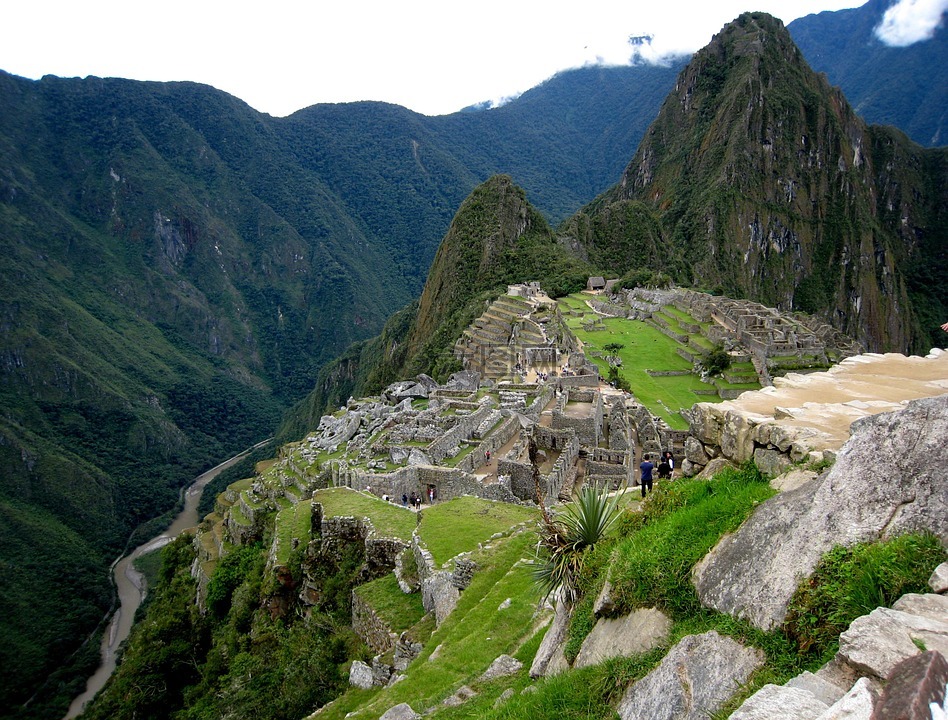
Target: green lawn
(647,348)
(390,520)
(458,525)
(474,635)
(399,610)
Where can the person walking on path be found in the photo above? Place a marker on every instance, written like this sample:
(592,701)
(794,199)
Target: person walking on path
(646,467)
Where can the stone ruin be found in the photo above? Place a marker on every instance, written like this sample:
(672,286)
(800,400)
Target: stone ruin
(774,340)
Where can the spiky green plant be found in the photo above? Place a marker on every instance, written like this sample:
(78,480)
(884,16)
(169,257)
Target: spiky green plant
(566,539)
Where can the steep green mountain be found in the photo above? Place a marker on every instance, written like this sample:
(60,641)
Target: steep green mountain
(497,238)
(886,85)
(758,180)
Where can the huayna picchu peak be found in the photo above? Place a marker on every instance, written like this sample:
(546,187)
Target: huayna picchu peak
(767,185)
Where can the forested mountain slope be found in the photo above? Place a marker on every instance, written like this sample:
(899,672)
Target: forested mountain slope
(886,85)
(758,180)
(178,266)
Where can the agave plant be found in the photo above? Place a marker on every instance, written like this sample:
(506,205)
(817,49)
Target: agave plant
(565,539)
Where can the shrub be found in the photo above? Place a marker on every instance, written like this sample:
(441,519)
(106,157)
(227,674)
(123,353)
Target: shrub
(853,581)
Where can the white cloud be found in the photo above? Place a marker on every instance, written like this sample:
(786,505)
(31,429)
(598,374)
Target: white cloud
(429,55)
(911,21)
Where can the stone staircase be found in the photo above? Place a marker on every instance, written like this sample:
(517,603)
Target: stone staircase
(495,341)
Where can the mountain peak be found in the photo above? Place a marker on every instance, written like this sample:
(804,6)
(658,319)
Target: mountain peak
(764,182)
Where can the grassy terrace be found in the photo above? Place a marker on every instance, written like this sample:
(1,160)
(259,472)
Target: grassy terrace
(399,610)
(294,521)
(646,348)
(470,639)
(390,520)
(458,525)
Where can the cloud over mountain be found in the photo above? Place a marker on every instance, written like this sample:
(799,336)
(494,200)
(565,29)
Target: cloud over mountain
(911,21)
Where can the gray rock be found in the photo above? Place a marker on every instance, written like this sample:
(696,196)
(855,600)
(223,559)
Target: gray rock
(690,469)
(938,582)
(428,382)
(821,689)
(463,694)
(877,642)
(792,479)
(694,451)
(501,667)
(503,697)
(464,381)
(771,462)
(439,594)
(398,454)
(715,466)
(417,456)
(360,675)
(402,711)
(780,701)
(857,704)
(694,679)
(888,479)
(639,631)
(552,641)
(929,605)
(604,603)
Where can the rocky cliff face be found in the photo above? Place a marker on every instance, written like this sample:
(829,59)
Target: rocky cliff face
(767,185)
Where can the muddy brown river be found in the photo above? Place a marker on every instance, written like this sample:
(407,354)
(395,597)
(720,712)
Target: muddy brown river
(130,584)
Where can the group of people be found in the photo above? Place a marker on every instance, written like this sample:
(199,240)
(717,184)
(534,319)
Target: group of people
(666,466)
(415,500)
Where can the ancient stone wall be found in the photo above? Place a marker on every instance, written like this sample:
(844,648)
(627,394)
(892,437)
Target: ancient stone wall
(370,627)
(492,443)
(548,438)
(565,465)
(464,429)
(587,427)
(520,474)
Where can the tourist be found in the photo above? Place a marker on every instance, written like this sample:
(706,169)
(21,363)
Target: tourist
(413,499)
(404,500)
(646,467)
(671,461)
(664,469)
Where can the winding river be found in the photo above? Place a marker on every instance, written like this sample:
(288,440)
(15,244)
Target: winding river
(130,584)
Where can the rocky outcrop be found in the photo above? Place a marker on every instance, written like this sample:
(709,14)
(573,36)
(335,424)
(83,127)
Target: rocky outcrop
(552,642)
(875,643)
(888,479)
(877,647)
(808,417)
(694,679)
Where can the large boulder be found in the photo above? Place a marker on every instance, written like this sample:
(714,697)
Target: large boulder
(638,632)
(552,642)
(695,678)
(888,479)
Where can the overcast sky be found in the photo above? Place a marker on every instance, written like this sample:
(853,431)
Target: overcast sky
(433,56)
